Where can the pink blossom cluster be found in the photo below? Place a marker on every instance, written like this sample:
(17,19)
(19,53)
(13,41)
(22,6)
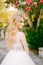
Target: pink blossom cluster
(29,2)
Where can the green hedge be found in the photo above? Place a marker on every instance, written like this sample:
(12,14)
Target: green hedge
(34,38)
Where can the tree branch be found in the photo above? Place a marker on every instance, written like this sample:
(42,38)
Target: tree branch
(38,21)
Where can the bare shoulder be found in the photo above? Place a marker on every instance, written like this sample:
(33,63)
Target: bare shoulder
(22,34)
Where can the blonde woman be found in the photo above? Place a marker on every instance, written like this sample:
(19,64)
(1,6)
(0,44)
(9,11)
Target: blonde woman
(18,49)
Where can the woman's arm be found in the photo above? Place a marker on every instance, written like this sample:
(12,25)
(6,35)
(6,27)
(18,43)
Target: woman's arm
(24,42)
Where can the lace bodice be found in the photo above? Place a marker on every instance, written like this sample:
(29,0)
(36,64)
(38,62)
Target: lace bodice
(17,47)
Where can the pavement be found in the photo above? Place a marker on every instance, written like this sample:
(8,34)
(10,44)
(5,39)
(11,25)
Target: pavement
(38,60)
(3,51)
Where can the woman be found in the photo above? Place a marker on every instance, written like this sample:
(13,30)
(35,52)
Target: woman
(17,45)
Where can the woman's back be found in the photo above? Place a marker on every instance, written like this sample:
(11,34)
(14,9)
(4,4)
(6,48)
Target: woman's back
(18,37)
(17,45)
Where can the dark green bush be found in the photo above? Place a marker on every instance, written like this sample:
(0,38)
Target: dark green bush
(34,38)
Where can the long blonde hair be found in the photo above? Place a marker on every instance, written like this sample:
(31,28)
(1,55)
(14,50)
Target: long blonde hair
(11,30)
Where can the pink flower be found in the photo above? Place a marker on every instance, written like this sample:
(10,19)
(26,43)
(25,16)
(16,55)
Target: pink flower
(41,1)
(29,2)
(28,8)
(18,4)
(35,3)
(17,1)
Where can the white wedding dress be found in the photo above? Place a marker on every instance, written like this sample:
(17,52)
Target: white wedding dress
(17,56)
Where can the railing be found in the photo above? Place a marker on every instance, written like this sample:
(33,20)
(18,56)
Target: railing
(2,33)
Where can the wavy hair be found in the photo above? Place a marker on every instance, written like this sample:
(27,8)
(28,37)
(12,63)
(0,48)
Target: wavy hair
(12,29)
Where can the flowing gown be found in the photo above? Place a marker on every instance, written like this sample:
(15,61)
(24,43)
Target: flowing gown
(17,56)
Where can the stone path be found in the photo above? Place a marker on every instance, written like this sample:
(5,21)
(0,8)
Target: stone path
(38,60)
(4,51)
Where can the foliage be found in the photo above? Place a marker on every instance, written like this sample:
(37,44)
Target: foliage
(34,38)
(3,14)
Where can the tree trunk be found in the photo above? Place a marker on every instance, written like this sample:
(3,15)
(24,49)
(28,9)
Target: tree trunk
(29,20)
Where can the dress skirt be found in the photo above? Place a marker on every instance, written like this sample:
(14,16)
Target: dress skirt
(17,58)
